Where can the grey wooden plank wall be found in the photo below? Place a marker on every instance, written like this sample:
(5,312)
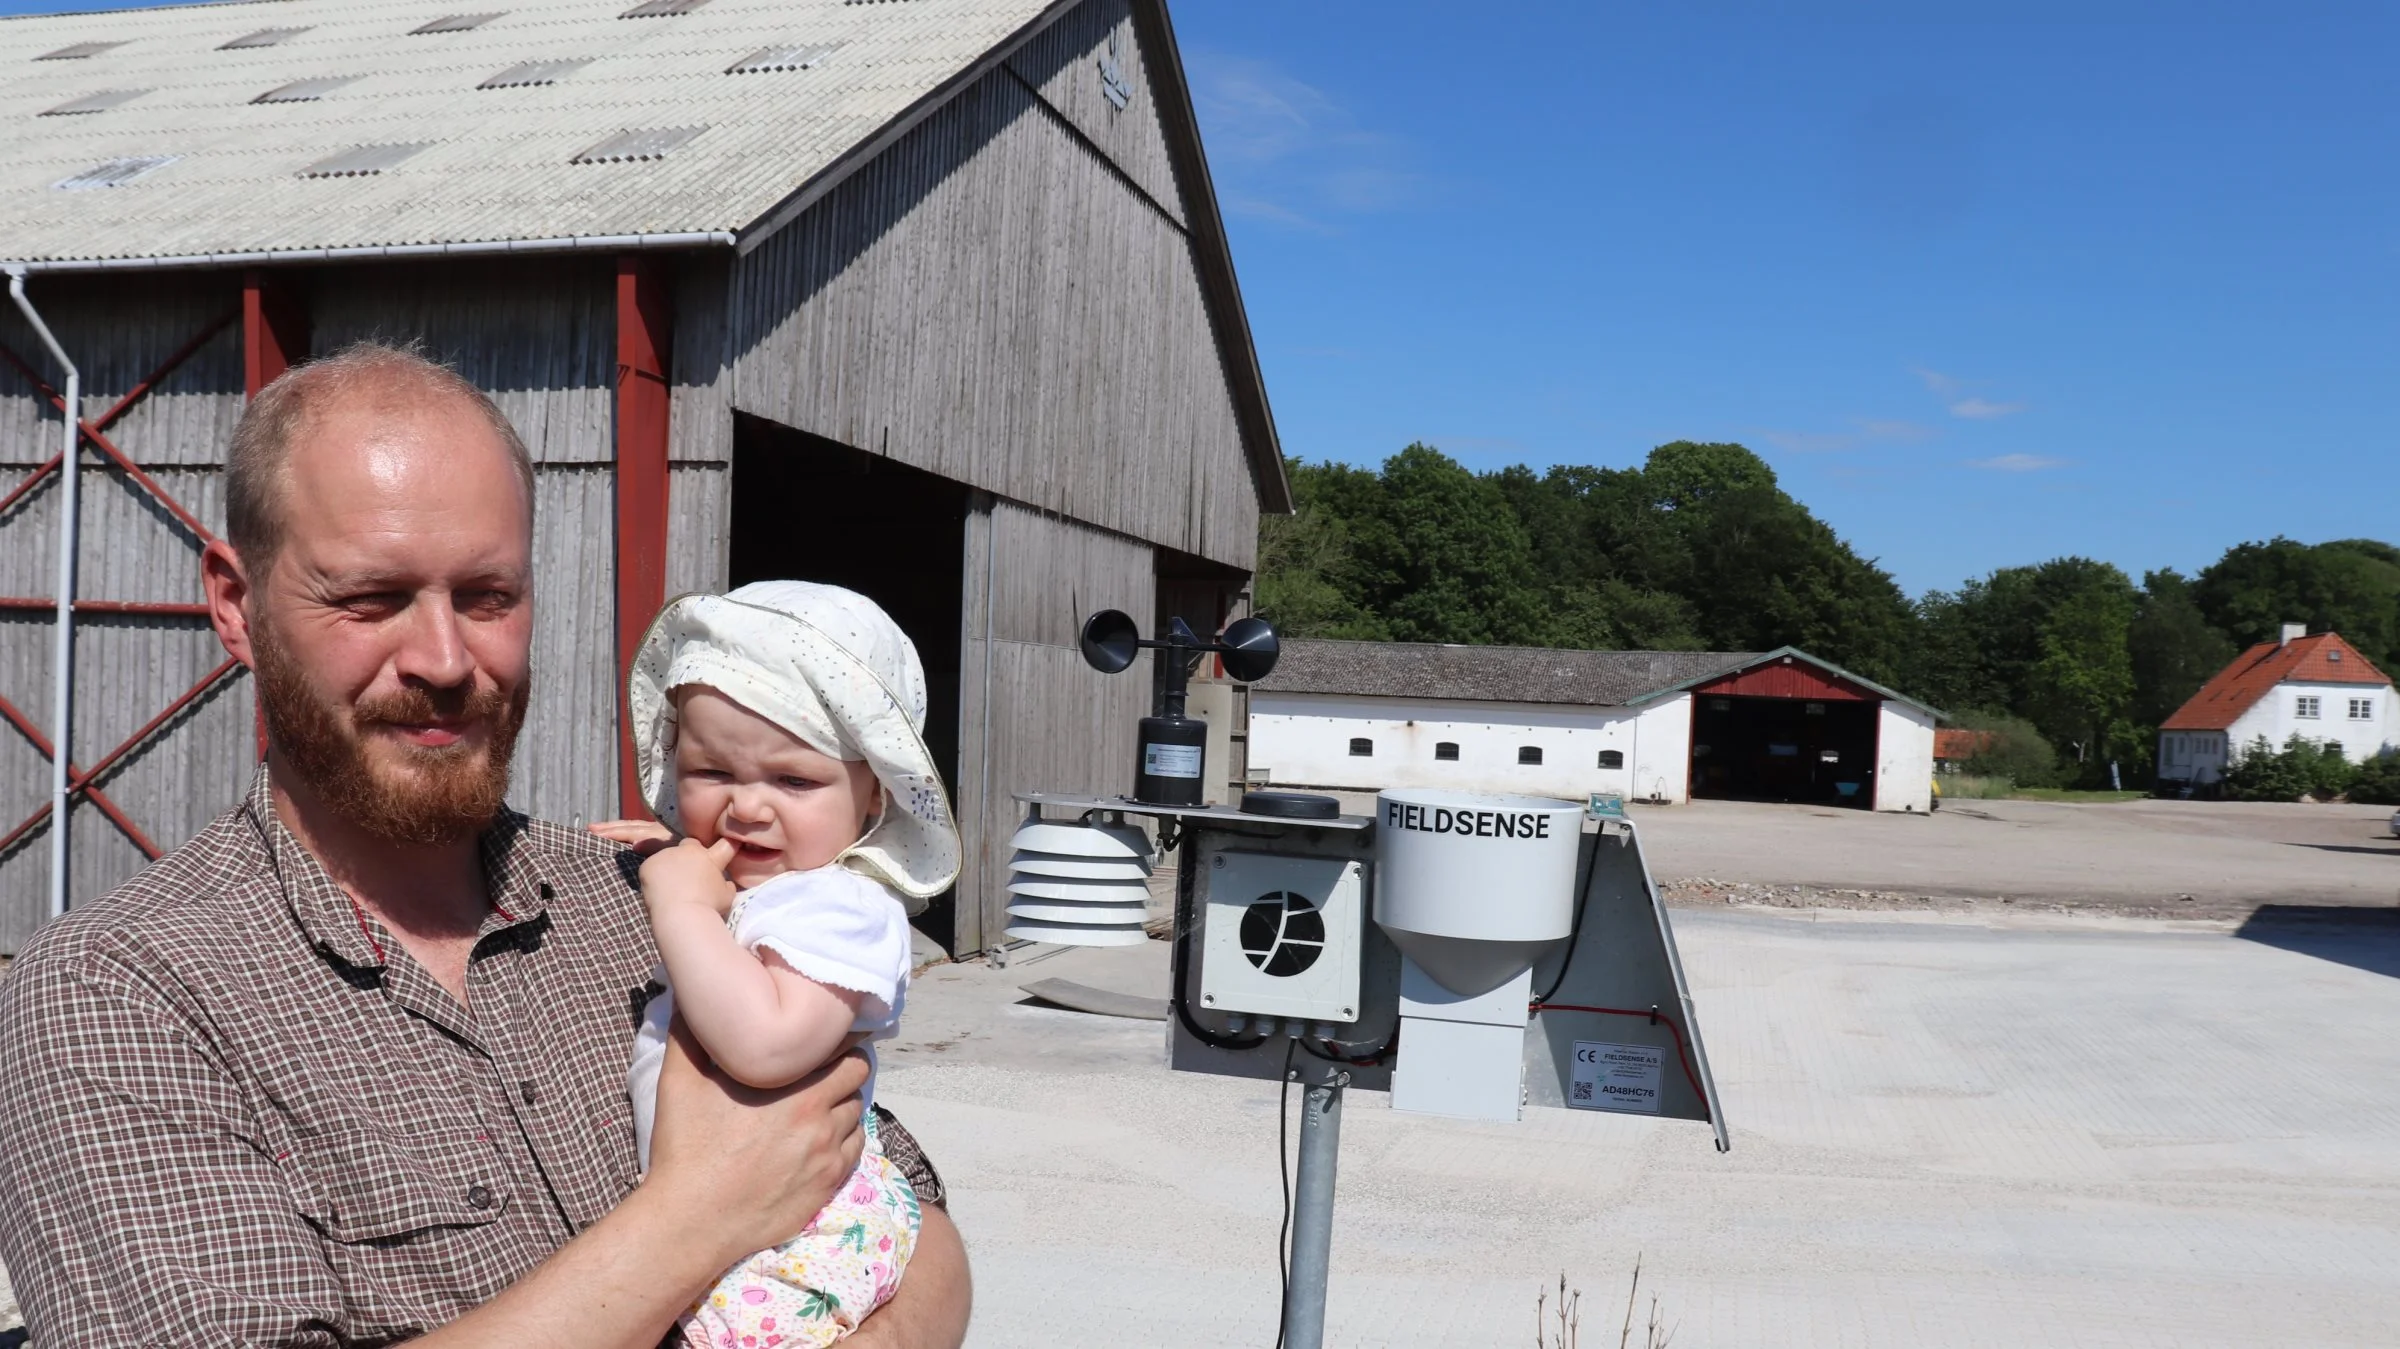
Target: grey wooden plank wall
(700,434)
(1034,717)
(538,335)
(127,667)
(1065,62)
(993,301)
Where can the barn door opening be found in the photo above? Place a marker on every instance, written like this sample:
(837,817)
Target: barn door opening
(1784,749)
(810,509)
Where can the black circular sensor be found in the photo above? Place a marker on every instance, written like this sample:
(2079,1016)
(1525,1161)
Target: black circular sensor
(1291,805)
(1282,933)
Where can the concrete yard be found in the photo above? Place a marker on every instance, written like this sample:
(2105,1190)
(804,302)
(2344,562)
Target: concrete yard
(2227,857)
(1948,1131)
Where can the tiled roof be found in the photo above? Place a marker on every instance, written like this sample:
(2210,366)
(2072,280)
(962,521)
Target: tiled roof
(2323,658)
(1488,674)
(1952,745)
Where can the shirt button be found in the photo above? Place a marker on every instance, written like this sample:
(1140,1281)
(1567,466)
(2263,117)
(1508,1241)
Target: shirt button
(478,1197)
(526,1092)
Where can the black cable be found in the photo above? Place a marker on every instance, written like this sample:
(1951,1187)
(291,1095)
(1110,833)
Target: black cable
(1185,920)
(1583,894)
(1283,1167)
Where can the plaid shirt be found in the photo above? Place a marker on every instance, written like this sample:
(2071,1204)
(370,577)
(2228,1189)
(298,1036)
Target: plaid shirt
(235,1112)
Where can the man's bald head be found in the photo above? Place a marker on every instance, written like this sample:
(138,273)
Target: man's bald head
(364,376)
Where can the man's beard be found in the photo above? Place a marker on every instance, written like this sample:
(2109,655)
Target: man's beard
(442,794)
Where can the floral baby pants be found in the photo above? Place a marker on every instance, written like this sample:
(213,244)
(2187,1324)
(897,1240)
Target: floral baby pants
(815,1289)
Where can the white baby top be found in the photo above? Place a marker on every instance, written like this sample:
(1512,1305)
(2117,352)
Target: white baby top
(831,924)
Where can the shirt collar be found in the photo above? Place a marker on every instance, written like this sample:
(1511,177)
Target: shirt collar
(336,926)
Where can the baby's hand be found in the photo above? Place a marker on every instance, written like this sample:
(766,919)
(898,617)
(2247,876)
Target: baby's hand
(643,836)
(689,873)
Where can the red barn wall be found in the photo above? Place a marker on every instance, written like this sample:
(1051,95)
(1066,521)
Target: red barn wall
(1788,679)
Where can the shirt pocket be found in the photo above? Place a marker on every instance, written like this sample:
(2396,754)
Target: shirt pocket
(364,1186)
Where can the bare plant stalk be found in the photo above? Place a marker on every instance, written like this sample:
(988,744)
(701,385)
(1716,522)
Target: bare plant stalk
(1625,1335)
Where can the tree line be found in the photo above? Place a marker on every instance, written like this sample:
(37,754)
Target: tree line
(1701,549)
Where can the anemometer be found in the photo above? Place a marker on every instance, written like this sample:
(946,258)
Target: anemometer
(1470,954)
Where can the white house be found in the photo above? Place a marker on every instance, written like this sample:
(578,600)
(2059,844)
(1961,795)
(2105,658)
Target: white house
(1659,726)
(2317,687)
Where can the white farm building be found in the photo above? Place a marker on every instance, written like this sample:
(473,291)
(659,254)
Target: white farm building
(2316,687)
(1662,726)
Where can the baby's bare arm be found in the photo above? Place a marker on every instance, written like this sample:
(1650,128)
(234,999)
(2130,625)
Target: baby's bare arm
(762,1022)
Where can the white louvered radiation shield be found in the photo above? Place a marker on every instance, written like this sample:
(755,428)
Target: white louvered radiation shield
(1077,884)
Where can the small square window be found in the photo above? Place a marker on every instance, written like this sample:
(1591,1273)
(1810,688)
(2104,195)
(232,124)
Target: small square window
(2306,706)
(1361,747)
(2362,709)
(1529,754)
(1445,751)
(1612,758)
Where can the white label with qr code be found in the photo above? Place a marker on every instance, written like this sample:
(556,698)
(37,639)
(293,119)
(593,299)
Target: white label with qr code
(1616,1077)
(1171,761)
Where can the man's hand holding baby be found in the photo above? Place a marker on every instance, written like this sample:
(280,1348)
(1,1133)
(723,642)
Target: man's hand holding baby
(689,873)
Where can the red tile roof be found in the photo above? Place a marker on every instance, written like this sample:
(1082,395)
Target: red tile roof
(2320,659)
(1953,745)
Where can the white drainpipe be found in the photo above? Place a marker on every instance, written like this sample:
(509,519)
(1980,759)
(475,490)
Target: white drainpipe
(62,702)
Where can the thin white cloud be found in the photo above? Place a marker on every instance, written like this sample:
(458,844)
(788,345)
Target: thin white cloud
(1254,111)
(1953,392)
(1983,409)
(1864,431)
(1288,152)
(2017,463)
(1936,383)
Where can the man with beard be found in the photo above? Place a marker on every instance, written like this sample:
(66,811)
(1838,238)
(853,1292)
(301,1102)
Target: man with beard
(348,1068)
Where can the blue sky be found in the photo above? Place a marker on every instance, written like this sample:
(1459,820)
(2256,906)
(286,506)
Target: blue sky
(1987,288)
(2013,281)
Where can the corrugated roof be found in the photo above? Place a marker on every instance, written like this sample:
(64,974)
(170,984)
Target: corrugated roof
(498,164)
(2323,658)
(1489,674)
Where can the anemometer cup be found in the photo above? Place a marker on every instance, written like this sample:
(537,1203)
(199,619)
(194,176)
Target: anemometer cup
(1109,641)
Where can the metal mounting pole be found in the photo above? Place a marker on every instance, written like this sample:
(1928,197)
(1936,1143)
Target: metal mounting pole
(1312,1214)
(62,662)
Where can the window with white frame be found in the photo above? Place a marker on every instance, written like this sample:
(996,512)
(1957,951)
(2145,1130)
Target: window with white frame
(2307,706)
(2362,709)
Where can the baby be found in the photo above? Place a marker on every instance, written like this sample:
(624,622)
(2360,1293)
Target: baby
(779,727)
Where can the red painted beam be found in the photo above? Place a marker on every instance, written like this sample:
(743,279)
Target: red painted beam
(645,326)
(275,332)
(150,608)
(275,337)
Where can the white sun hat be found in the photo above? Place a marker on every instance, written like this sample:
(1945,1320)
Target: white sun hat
(829,666)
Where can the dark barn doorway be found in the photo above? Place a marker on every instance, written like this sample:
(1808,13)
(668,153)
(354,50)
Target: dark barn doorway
(1784,749)
(810,509)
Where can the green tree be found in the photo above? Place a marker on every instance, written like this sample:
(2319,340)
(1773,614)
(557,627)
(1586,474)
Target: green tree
(2351,587)
(2261,773)
(2012,749)
(2174,648)
(2081,683)
(1682,474)
(2377,781)
(1445,559)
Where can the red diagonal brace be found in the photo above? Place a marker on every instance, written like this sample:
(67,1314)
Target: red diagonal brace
(100,799)
(32,480)
(93,431)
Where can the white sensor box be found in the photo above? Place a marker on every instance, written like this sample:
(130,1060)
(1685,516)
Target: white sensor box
(1281,935)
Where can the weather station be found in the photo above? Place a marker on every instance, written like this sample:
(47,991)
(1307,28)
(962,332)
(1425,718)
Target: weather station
(1468,954)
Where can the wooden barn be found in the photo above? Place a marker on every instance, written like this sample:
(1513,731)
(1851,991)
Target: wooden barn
(926,297)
